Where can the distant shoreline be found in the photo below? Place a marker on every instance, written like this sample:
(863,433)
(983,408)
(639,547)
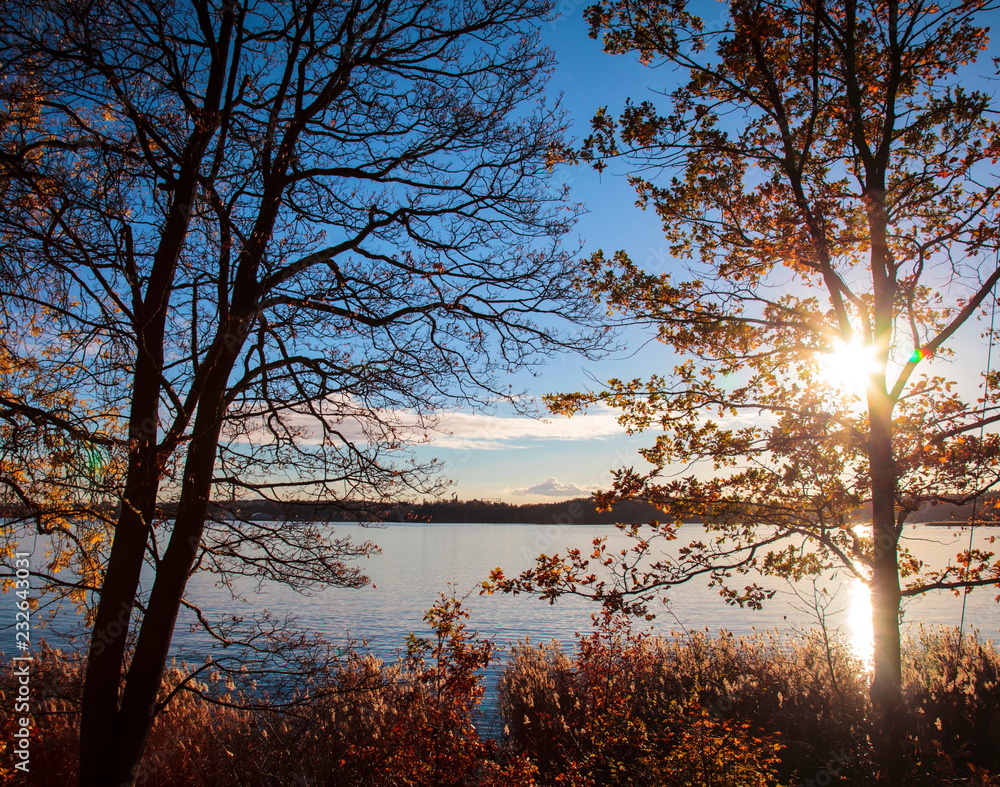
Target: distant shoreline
(576,511)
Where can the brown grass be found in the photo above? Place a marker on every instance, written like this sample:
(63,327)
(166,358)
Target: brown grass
(621,709)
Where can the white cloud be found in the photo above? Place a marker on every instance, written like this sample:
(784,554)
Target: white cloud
(552,487)
(478,430)
(462,430)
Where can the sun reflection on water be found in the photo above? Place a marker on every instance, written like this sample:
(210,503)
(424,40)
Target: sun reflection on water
(859,622)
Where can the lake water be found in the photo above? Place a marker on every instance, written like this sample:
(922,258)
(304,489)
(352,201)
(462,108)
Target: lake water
(419,561)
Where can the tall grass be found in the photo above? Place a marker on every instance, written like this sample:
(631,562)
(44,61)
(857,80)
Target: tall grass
(763,709)
(953,690)
(621,708)
(767,707)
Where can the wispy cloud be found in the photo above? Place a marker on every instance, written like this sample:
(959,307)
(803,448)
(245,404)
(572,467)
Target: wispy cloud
(552,487)
(483,431)
(462,430)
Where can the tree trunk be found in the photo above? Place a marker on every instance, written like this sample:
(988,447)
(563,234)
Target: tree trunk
(886,687)
(99,728)
(887,684)
(99,722)
(138,703)
(146,671)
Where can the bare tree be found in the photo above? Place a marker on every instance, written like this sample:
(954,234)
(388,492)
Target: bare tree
(270,234)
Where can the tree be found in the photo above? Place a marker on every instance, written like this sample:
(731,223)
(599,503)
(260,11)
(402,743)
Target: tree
(277,237)
(829,176)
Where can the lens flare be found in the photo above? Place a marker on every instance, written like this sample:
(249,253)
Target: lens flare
(94,460)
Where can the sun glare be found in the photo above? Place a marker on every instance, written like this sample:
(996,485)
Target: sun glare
(849,366)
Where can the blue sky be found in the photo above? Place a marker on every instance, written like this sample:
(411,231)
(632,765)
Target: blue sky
(519,459)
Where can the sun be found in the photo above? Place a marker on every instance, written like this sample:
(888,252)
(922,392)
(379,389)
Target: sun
(848,366)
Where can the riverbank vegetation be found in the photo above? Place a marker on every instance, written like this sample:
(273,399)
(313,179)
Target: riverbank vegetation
(621,708)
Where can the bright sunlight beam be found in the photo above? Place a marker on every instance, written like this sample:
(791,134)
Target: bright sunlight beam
(849,366)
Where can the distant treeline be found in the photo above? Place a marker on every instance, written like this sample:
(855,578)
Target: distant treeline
(986,511)
(579,511)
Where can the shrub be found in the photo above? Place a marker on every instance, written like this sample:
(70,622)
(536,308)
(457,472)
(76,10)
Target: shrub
(624,711)
(372,724)
(404,724)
